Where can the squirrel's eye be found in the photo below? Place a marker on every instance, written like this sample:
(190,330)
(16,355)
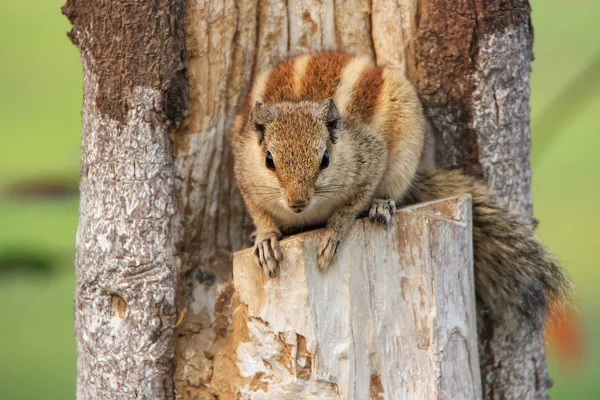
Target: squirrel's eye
(325,160)
(269,161)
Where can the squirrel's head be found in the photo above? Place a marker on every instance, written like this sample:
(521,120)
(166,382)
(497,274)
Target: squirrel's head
(297,145)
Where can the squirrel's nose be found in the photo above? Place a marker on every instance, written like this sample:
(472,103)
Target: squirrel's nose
(297,206)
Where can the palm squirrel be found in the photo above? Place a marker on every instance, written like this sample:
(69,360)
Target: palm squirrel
(327,137)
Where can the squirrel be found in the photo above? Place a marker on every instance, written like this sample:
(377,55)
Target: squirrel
(327,137)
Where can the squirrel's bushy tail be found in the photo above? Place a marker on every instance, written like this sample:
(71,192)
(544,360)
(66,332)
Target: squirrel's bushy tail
(514,273)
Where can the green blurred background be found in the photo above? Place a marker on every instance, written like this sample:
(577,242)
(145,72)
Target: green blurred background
(40,103)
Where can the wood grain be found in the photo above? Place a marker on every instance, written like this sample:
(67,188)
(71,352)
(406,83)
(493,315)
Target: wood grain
(397,306)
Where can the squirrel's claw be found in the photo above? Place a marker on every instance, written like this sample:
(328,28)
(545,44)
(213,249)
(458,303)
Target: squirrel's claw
(327,250)
(382,210)
(268,254)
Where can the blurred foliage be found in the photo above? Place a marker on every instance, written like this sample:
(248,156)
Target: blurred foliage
(40,103)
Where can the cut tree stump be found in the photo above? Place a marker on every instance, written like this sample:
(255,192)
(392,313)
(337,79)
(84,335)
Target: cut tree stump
(393,318)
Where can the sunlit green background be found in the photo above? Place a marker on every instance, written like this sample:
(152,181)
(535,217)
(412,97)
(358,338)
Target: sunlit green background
(40,102)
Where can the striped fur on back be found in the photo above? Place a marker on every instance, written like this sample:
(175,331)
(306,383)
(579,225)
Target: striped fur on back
(354,83)
(363,92)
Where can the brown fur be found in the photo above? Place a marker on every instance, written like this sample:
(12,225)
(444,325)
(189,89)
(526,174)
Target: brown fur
(366,95)
(280,84)
(322,75)
(375,144)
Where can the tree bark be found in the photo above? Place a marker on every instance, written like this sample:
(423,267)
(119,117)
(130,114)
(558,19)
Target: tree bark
(126,268)
(160,218)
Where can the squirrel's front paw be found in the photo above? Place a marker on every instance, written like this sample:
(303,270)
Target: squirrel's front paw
(267,252)
(327,249)
(382,210)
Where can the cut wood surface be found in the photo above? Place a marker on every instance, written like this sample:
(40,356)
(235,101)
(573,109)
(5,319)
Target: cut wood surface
(393,318)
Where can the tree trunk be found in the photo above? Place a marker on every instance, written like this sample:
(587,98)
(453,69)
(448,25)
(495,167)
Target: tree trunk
(126,266)
(160,218)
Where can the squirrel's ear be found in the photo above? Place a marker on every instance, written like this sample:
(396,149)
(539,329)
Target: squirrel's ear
(329,114)
(260,117)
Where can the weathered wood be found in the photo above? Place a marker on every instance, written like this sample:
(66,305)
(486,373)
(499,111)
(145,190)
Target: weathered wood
(125,299)
(394,315)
